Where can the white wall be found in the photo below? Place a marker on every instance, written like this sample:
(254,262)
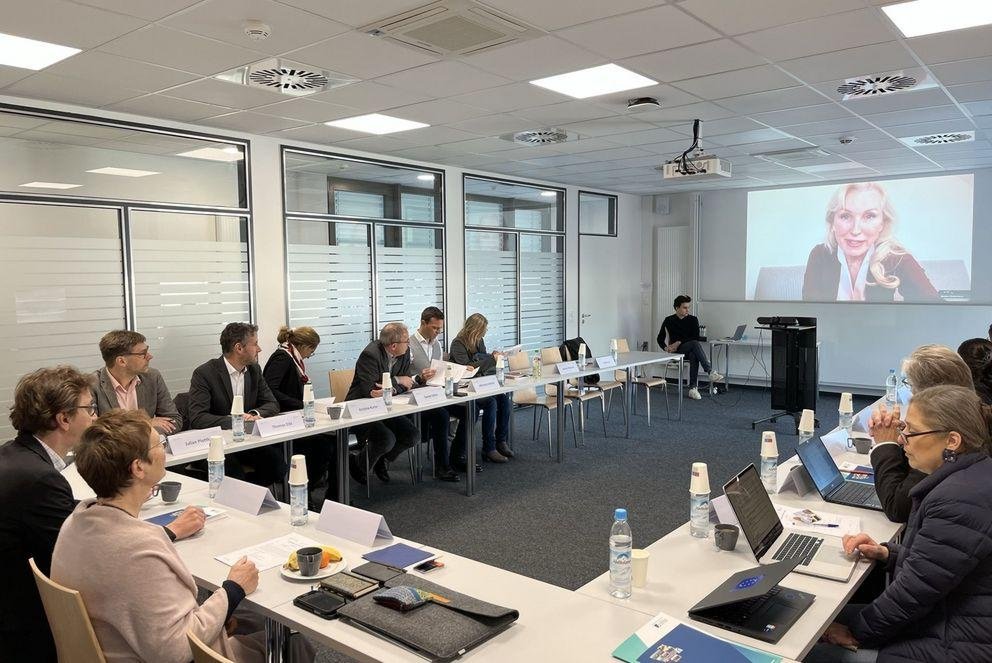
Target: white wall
(679,214)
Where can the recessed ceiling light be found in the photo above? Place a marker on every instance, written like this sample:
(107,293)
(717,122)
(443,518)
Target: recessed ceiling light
(123,172)
(425,177)
(214,154)
(549,194)
(30,53)
(376,123)
(594,81)
(927,17)
(50,185)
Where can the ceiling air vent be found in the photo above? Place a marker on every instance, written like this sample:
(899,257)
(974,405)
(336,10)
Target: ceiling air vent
(877,85)
(452,27)
(939,139)
(538,137)
(287,77)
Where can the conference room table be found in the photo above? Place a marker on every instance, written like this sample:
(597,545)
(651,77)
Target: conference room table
(402,406)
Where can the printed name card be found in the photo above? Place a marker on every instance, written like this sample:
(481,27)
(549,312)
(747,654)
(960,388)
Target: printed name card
(606,362)
(284,423)
(364,407)
(244,496)
(567,368)
(487,383)
(362,527)
(428,395)
(192,440)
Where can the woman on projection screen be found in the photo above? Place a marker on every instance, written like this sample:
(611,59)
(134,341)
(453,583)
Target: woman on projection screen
(861,260)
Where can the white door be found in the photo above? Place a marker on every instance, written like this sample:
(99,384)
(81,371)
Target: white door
(599,283)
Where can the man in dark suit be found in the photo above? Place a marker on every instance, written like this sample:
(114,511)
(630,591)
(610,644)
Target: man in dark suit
(211,393)
(387,439)
(127,381)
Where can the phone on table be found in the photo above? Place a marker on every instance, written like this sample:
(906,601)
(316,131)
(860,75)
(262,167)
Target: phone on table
(319,602)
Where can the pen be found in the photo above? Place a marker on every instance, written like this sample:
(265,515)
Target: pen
(825,524)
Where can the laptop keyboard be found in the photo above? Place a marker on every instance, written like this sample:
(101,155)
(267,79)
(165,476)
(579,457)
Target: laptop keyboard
(740,613)
(855,493)
(799,546)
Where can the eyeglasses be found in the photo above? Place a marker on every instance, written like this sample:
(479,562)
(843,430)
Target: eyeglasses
(144,354)
(905,382)
(91,408)
(905,436)
(160,443)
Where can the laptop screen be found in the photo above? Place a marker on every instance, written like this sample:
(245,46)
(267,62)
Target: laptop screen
(754,510)
(739,332)
(821,467)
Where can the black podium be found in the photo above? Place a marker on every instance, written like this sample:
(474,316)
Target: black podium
(794,370)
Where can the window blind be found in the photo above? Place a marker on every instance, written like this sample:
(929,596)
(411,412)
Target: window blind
(542,303)
(409,269)
(491,284)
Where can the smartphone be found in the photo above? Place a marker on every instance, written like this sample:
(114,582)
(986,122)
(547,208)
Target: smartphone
(319,602)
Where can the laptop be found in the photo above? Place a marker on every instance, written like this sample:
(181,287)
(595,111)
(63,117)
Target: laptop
(752,603)
(738,334)
(830,482)
(770,541)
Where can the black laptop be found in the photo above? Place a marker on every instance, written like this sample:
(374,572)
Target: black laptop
(831,484)
(738,334)
(752,603)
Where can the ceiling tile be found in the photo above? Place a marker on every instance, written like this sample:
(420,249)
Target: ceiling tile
(608,126)
(369,96)
(639,32)
(738,17)
(895,118)
(964,71)
(232,95)
(729,125)
(356,14)
(841,125)
(157,105)
(585,144)
(564,113)
(10,75)
(754,136)
(434,136)
(99,66)
(535,58)
(733,83)
(59,22)
(510,97)
(971,91)
(70,90)
(979,107)
(924,128)
(439,111)
(692,61)
(819,35)
(224,19)
(852,62)
(898,101)
(760,102)
(703,110)
(784,118)
(171,48)
(254,123)
(443,79)
(954,45)
(638,138)
(360,55)
(378,144)
(151,10)
(666,94)
(306,109)
(554,16)
(493,125)
(316,133)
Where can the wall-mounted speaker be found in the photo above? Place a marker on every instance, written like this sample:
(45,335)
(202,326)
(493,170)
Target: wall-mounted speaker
(660,205)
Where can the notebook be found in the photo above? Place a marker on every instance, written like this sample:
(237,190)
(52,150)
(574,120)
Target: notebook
(399,556)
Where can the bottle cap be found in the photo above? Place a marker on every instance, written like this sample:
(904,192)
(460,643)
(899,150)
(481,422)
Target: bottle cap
(307,392)
(387,381)
(238,404)
(769,447)
(846,405)
(807,422)
(297,470)
(216,448)
(582,348)
(620,514)
(700,483)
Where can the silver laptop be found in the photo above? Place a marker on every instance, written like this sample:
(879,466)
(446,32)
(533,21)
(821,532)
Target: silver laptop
(771,542)
(738,334)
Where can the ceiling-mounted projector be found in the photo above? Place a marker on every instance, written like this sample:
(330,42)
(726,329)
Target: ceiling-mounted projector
(694,163)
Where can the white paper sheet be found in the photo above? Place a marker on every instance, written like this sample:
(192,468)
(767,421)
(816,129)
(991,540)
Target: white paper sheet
(817,521)
(458,372)
(269,554)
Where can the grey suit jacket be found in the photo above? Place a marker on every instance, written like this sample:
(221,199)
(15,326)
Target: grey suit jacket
(210,395)
(153,396)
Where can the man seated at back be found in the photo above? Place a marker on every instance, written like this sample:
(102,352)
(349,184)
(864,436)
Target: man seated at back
(425,348)
(127,382)
(211,394)
(680,333)
(384,440)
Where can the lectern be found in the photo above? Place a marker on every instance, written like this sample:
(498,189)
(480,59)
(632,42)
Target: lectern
(794,367)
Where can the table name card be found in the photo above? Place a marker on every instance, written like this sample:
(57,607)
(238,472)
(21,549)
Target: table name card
(192,440)
(487,383)
(284,423)
(606,362)
(364,407)
(362,527)
(244,496)
(428,395)
(567,368)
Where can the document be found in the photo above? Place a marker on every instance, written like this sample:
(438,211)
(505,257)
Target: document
(458,372)
(668,640)
(818,522)
(269,554)
(164,519)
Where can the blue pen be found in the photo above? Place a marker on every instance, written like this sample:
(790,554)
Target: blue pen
(825,524)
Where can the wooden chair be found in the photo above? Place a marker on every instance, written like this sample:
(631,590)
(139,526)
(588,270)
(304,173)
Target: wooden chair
(528,397)
(551,356)
(608,387)
(75,639)
(202,653)
(646,382)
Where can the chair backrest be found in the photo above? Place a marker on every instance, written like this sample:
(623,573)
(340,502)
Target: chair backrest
(518,361)
(622,345)
(550,356)
(341,383)
(75,639)
(202,653)
(525,395)
(182,406)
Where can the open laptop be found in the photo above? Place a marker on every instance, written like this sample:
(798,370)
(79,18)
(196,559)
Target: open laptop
(751,602)
(771,542)
(738,334)
(830,482)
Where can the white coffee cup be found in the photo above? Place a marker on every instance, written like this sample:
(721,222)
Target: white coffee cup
(700,482)
(297,470)
(769,446)
(639,565)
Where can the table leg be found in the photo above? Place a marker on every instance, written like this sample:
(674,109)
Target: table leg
(628,399)
(469,449)
(560,420)
(276,641)
(287,457)
(681,368)
(344,485)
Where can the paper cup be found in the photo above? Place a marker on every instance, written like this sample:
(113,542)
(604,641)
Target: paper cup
(298,470)
(387,380)
(238,404)
(769,447)
(216,448)
(700,482)
(846,403)
(639,565)
(307,392)
(807,421)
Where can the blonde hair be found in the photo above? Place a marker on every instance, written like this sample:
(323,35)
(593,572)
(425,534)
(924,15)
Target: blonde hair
(300,337)
(932,365)
(473,330)
(886,245)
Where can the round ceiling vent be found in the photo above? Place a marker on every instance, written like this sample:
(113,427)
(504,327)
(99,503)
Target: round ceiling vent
(541,137)
(283,78)
(943,139)
(868,86)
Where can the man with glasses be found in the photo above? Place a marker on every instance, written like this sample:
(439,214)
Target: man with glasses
(384,440)
(127,382)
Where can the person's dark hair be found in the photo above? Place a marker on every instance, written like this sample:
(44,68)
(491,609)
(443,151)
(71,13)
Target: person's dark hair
(977,353)
(954,408)
(990,332)
(41,395)
(680,300)
(117,343)
(431,313)
(109,446)
(234,333)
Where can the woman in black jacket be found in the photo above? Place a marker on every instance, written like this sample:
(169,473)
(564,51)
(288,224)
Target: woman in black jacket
(938,606)
(469,349)
(286,373)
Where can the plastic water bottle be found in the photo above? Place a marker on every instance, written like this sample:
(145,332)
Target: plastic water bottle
(845,413)
(537,371)
(309,416)
(769,462)
(500,376)
(449,383)
(298,491)
(699,501)
(582,355)
(621,544)
(891,387)
(387,389)
(614,352)
(238,428)
(215,465)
